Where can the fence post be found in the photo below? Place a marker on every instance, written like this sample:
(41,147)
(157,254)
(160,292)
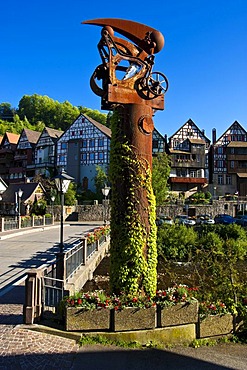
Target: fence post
(33,297)
(43,220)
(32,221)
(2,224)
(85,252)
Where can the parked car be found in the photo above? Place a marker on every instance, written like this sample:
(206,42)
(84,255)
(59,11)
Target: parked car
(163,219)
(205,219)
(241,220)
(184,220)
(224,219)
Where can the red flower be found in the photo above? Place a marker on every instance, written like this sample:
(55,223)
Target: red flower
(79,301)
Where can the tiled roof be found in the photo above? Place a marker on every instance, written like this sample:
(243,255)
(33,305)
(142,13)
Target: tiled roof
(54,133)
(102,128)
(238,144)
(32,136)
(196,141)
(28,189)
(12,138)
(239,174)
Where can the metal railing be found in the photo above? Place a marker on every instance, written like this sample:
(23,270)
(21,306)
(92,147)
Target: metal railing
(13,223)
(10,224)
(53,291)
(75,257)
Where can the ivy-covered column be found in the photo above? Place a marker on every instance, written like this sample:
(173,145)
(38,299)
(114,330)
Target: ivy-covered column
(133,250)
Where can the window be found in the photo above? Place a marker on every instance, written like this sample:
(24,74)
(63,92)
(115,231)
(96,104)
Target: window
(220,150)
(228,180)
(232,150)
(220,179)
(91,156)
(73,133)
(84,143)
(155,144)
(220,164)
(101,142)
(84,157)
(91,143)
(101,156)
(63,145)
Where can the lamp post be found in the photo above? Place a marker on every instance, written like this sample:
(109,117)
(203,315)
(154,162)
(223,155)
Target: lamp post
(62,182)
(215,188)
(19,193)
(52,203)
(105,192)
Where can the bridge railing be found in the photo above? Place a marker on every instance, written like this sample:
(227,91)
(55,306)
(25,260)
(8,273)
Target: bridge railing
(13,223)
(44,290)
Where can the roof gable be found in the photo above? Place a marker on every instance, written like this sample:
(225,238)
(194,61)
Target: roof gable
(191,124)
(233,127)
(28,189)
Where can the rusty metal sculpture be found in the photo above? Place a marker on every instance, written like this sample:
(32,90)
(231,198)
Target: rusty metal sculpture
(127,84)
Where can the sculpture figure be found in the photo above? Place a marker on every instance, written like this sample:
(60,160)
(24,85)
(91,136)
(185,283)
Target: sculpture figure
(127,85)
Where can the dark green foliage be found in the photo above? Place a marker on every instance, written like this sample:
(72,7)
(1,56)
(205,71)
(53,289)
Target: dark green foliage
(160,176)
(176,242)
(217,256)
(200,197)
(100,180)
(37,111)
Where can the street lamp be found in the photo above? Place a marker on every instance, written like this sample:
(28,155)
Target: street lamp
(62,182)
(105,192)
(19,193)
(52,203)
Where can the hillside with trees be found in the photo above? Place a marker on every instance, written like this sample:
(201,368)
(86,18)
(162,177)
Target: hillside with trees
(36,111)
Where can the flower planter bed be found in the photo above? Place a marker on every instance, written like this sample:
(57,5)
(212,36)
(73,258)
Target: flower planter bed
(77,318)
(133,318)
(178,314)
(215,325)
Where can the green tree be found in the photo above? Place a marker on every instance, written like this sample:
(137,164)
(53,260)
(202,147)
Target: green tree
(176,242)
(99,181)
(219,258)
(70,196)
(160,176)
(6,112)
(52,113)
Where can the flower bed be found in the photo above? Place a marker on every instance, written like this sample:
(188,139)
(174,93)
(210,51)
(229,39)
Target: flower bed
(77,319)
(133,318)
(97,234)
(133,313)
(215,325)
(176,306)
(87,311)
(214,320)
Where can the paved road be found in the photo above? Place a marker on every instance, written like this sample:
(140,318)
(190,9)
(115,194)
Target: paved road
(26,249)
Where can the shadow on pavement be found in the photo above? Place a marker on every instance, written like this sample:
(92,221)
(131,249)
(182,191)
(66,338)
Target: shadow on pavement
(106,359)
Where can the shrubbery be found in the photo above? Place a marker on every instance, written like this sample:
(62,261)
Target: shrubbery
(216,255)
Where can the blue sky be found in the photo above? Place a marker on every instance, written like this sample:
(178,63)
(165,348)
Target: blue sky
(46,50)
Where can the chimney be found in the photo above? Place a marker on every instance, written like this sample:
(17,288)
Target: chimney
(214,136)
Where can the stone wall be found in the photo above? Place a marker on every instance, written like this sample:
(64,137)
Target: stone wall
(217,207)
(97,212)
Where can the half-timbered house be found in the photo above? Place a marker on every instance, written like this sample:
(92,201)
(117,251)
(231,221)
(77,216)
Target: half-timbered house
(229,161)
(81,148)
(188,149)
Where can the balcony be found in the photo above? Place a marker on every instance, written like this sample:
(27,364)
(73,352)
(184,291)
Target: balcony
(188,180)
